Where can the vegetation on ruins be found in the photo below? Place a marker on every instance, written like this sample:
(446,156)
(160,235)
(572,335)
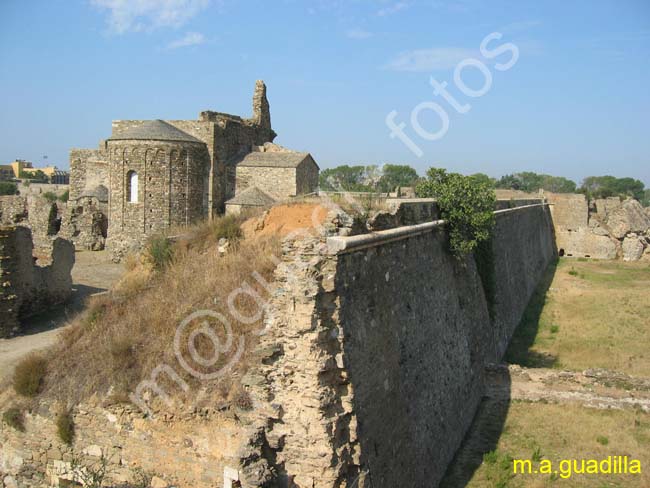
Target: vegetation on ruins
(8,188)
(160,251)
(37,175)
(29,375)
(467,204)
(65,427)
(121,337)
(50,196)
(13,417)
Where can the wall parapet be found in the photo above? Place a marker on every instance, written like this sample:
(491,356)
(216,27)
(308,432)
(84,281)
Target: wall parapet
(346,244)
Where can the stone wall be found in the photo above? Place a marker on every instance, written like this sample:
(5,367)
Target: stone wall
(307,177)
(172,190)
(42,216)
(374,356)
(280,183)
(27,288)
(88,169)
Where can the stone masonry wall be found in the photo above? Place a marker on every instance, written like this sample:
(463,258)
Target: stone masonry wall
(306,177)
(374,355)
(279,183)
(88,169)
(172,190)
(26,288)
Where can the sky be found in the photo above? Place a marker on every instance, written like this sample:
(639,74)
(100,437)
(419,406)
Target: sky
(556,87)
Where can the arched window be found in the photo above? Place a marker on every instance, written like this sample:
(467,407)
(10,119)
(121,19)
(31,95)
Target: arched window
(132,186)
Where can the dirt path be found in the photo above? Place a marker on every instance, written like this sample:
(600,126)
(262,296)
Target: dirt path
(593,388)
(93,273)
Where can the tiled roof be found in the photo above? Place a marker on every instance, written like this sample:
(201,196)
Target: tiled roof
(253,197)
(154,130)
(279,159)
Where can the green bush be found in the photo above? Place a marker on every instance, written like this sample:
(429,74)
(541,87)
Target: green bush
(29,375)
(65,427)
(65,196)
(13,417)
(50,196)
(160,251)
(466,203)
(8,188)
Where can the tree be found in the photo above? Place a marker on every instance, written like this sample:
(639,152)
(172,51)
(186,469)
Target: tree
(396,175)
(466,203)
(646,198)
(611,186)
(531,182)
(8,188)
(345,178)
(485,179)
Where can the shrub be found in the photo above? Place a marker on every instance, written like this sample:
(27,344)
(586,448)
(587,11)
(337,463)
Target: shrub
(8,188)
(65,427)
(13,417)
(29,375)
(160,251)
(50,196)
(602,440)
(466,203)
(228,227)
(65,196)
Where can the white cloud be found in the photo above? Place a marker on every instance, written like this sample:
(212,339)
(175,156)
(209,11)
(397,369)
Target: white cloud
(189,39)
(392,9)
(358,34)
(438,58)
(142,15)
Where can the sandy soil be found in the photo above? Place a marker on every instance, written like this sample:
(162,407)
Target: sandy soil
(93,273)
(285,219)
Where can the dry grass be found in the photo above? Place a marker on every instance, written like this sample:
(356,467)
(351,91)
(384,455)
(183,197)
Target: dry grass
(29,375)
(557,432)
(122,337)
(594,315)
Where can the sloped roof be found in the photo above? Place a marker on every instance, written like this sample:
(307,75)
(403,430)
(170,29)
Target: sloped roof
(154,130)
(253,197)
(279,159)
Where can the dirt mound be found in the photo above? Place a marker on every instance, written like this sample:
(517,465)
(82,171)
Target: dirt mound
(282,220)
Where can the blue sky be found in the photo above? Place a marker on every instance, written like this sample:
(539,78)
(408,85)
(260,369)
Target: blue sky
(575,103)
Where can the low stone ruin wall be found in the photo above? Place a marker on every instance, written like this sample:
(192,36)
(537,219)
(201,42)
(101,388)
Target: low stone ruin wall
(27,288)
(605,229)
(40,215)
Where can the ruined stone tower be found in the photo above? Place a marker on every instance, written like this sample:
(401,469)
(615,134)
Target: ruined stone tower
(261,110)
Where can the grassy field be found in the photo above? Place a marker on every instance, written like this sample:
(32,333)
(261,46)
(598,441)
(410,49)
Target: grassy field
(596,314)
(585,314)
(558,432)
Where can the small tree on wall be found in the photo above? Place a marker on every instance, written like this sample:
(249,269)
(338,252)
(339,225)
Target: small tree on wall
(466,203)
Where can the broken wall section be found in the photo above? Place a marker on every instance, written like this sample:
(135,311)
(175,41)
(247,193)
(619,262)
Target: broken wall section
(25,287)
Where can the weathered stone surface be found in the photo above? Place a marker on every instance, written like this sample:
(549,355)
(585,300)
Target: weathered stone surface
(629,217)
(27,288)
(633,248)
(570,211)
(584,243)
(605,206)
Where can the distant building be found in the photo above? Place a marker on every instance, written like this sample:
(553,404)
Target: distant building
(60,177)
(6,172)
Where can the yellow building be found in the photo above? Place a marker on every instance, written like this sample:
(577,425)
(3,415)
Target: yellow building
(21,166)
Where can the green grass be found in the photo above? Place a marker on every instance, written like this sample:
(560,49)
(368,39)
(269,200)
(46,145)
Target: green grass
(587,314)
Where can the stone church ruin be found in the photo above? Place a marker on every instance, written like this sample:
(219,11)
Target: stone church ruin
(150,175)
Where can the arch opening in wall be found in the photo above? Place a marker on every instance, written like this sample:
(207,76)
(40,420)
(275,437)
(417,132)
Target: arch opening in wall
(132,187)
